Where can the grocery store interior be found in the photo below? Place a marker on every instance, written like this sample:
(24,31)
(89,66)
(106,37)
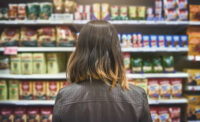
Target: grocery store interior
(160,41)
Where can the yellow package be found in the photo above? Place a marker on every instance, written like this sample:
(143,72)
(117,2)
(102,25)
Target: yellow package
(191,111)
(194,41)
(15,64)
(26,90)
(39,90)
(193,99)
(13,88)
(194,76)
(26,63)
(141,83)
(52,63)
(39,63)
(105,11)
(3,90)
(96,11)
(52,89)
(197,112)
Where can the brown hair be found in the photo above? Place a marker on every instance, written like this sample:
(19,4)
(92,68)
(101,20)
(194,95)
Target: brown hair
(98,55)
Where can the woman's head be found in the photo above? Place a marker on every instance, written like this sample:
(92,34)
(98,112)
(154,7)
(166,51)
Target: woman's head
(97,55)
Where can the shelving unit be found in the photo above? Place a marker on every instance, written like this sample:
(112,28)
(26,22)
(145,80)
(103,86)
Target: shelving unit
(71,49)
(51,102)
(63,76)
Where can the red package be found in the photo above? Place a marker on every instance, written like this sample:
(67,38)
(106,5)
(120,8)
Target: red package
(33,115)
(164,114)
(20,114)
(6,115)
(176,85)
(175,113)
(154,114)
(46,114)
(165,88)
(153,89)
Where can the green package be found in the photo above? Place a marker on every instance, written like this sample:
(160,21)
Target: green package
(124,12)
(3,90)
(13,90)
(168,63)
(132,12)
(141,12)
(157,65)
(45,10)
(136,65)
(147,66)
(33,11)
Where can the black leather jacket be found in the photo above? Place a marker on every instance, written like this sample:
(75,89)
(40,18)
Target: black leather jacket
(95,102)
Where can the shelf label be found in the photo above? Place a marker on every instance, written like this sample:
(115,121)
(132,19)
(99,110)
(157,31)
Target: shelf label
(10,51)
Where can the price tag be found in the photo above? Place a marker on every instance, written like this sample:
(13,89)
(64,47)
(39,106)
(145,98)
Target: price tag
(10,51)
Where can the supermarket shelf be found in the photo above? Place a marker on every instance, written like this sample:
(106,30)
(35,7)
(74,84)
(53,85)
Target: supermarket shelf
(170,101)
(80,22)
(193,88)
(62,76)
(193,120)
(51,102)
(158,75)
(70,49)
(194,58)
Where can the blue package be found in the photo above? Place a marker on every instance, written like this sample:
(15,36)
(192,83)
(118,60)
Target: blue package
(161,41)
(153,39)
(129,40)
(176,39)
(184,40)
(169,41)
(146,40)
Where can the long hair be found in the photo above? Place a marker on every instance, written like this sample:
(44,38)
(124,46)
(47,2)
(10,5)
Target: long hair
(98,55)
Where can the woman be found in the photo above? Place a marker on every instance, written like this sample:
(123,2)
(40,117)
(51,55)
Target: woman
(99,91)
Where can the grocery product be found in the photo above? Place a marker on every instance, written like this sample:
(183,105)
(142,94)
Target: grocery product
(69,6)
(164,115)
(20,114)
(154,114)
(4,63)
(33,11)
(142,83)
(87,12)
(39,90)
(65,36)
(182,4)
(26,63)
(176,39)
(146,40)
(21,11)
(161,41)
(193,78)
(3,90)
(105,13)
(64,83)
(12,11)
(13,89)
(149,13)
(96,11)
(136,65)
(176,86)
(153,40)
(157,65)
(165,89)
(46,114)
(132,12)
(45,10)
(126,40)
(124,12)
(147,65)
(26,90)
(28,37)
(3,13)
(168,62)
(194,12)
(10,37)
(141,11)
(6,115)
(39,63)
(58,6)
(175,114)
(127,58)
(183,15)
(33,114)
(184,40)
(52,63)
(170,4)
(78,15)
(114,12)
(153,89)
(52,89)
(47,37)
(15,64)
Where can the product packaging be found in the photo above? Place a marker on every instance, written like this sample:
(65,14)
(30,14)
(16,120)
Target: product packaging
(20,114)
(132,12)
(153,89)
(26,90)
(153,40)
(176,85)
(52,89)
(168,62)
(164,114)
(33,10)
(21,11)
(3,90)
(33,114)
(165,88)
(157,65)
(136,65)
(10,37)
(114,10)
(46,9)
(26,63)
(58,6)
(39,63)
(46,114)
(3,13)
(6,115)
(194,12)
(28,37)
(96,10)
(161,41)
(12,11)
(127,61)
(146,41)
(147,65)
(13,90)
(141,11)
(105,13)
(39,90)
(124,12)
(15,64)
(47,37)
